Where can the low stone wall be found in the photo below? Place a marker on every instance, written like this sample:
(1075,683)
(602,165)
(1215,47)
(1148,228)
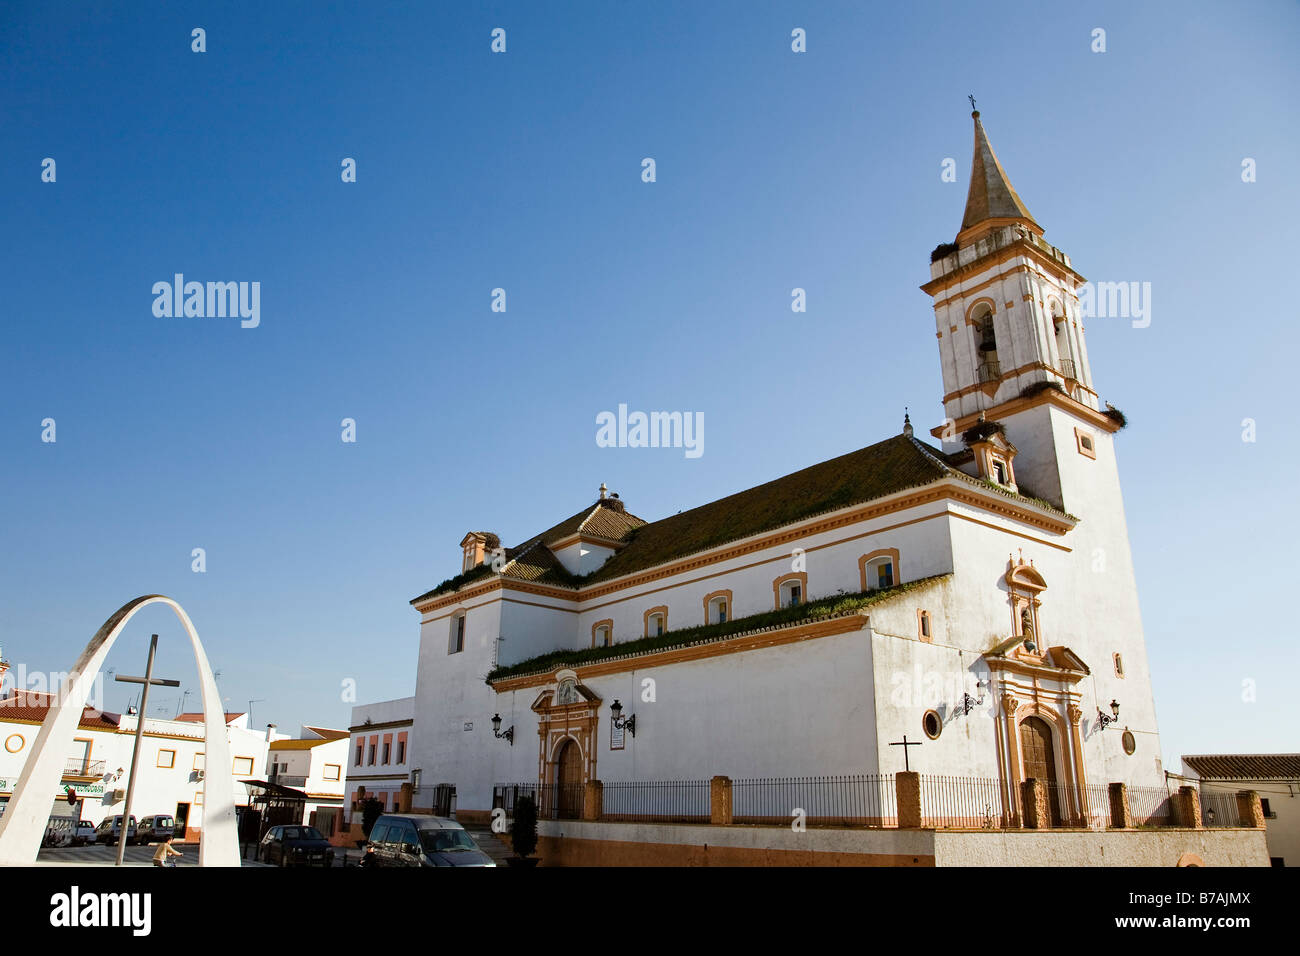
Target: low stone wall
(587,843)
(1165,846)
(582,843)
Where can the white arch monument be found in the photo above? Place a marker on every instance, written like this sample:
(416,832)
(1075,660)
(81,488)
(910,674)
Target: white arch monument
(24,820)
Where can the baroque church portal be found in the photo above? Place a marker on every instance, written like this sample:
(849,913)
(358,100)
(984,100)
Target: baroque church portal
(974,592)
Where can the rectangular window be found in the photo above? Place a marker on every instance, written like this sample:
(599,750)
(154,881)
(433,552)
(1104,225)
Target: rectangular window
(332,771)
(401,751)
(361,751)
(1268,811)
(1000,472)
(198,761)
(167,758)
(925,625)
(796,593)
(243,766)
(372,754)
(457,642)
(387,751)
(722,612)
(885,574)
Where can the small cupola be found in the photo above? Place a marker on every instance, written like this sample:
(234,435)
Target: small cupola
(994,455)
(475,548)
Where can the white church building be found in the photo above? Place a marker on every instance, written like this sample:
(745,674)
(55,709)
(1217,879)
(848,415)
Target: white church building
(973,592)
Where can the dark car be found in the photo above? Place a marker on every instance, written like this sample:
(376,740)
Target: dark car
(155,829)
(419,840)
(110,830)
(295,846)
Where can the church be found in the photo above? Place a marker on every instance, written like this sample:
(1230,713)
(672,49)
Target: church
(971,591)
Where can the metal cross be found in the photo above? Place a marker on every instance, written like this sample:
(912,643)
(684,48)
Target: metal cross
(971,97)
(905,743)
(147,680)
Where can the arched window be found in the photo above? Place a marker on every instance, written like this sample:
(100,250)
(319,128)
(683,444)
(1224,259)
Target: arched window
(602,633)
(790,589)
(987,368)
(1061,329)
(879,569)
(656,621)
(717,607)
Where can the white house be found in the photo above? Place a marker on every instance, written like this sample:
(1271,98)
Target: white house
(1275,777)
(171,770)
(975,593)
(313,763)
(379,755)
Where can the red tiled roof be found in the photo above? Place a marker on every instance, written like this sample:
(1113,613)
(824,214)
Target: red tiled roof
(198,718)
(33,708)
(1244,766)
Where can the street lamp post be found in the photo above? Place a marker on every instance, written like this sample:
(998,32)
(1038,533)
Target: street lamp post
(147,681)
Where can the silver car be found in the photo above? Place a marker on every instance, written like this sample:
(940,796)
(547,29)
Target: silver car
(418,840)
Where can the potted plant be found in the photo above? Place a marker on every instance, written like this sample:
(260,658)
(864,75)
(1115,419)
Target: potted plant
(523,833)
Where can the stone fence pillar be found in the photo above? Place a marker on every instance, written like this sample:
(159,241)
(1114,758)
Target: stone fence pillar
(907,791)
(1121,818)
(1187,808)
(593,800)
(1250,809)
(720,801)
(1037,814)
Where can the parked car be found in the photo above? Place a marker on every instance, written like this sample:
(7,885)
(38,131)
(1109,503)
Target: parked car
(295,846)
(419,840)
(155,829)
(82,833)
(110,830)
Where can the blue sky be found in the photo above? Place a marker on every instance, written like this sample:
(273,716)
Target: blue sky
(522,171)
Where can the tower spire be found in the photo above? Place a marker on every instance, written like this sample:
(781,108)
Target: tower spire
(991,195)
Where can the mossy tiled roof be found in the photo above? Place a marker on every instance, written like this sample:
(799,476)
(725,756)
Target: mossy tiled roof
(885,468)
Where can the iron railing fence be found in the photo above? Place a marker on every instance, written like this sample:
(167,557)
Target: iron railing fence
(1067,368)
(974,803)
(1151,807)
(1096,806)
(658,801)
(554,801)
(1219,809)
(857,800)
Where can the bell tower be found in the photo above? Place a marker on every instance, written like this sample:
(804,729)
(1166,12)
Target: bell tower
(1010,335)
(1005,304)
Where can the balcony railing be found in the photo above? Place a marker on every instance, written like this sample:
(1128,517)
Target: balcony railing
(1067,368)
(287,780)
(81,767)
(989,371)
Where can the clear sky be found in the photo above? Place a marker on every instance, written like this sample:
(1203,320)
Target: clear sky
(522,171)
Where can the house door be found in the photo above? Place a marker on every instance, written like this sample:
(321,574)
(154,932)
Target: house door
(1039,760)
(568,776)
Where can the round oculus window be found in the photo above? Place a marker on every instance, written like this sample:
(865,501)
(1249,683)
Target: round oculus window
(932,724)
(1129,741)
